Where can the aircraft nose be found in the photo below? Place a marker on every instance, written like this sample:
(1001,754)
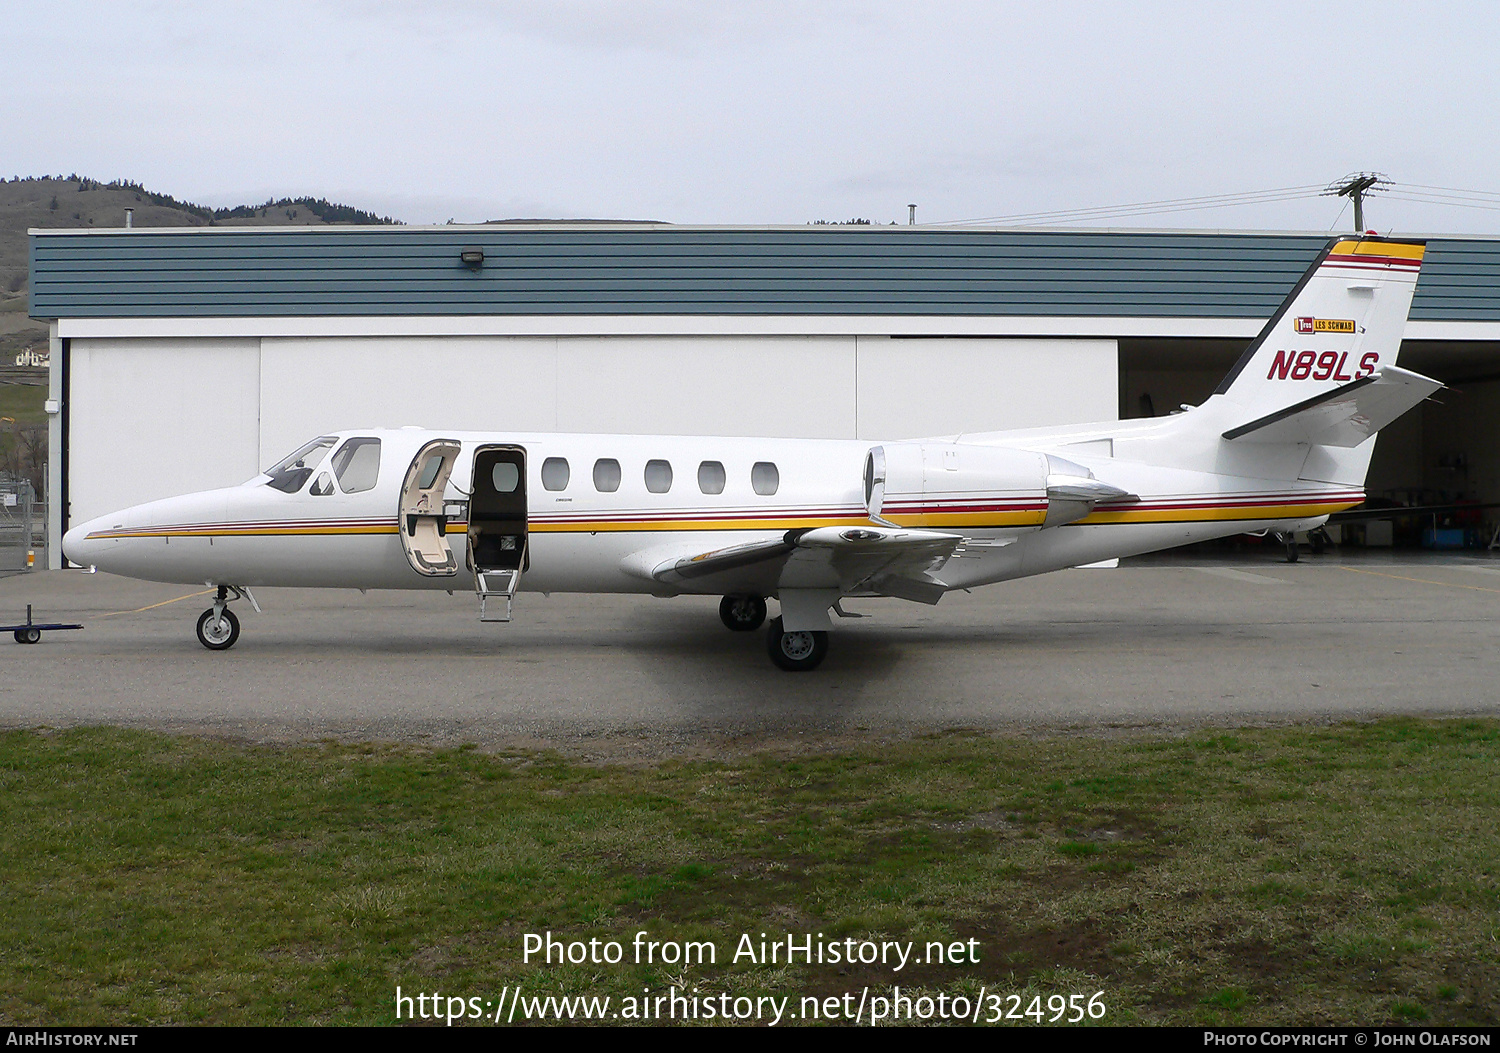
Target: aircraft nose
(79,548)
(89,544)
(133,540)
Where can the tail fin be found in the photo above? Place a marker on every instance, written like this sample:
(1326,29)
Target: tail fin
(1323,373)
(1342,322)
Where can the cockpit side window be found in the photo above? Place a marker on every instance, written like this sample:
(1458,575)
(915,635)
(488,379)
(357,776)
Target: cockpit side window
(357,465)
(288,474)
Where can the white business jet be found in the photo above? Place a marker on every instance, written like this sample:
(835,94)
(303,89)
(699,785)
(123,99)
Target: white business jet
(1284,441)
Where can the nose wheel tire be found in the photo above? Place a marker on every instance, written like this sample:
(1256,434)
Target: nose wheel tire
(742,614)
(218,633)
(28,635)
(798,652)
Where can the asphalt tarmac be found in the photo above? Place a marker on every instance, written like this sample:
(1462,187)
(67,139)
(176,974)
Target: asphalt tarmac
(1164,643)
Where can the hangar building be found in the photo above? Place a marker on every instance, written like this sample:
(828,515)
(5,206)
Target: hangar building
(185,359)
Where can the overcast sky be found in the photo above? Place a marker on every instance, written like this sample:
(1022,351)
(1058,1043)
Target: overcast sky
(766,112)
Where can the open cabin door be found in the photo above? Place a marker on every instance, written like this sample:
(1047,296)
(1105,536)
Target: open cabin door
(424,527)
(497,525)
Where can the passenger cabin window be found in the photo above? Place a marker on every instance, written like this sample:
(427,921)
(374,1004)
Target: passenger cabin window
(506,476)
(711,477)
(289,474)
(555,473)
(764,478)
(658,476)
(357,465)
(606,475)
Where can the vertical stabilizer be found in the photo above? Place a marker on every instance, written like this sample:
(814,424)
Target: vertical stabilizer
(1342,322)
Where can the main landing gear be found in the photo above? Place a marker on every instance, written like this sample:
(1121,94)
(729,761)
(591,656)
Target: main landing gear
(1289,539)
(218,628)
(742,613)
(799,652)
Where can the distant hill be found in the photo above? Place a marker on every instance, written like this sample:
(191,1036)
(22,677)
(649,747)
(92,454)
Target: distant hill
(77,201)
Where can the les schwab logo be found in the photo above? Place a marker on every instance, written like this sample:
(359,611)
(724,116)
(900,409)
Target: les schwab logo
(1325,325)
(1325,365)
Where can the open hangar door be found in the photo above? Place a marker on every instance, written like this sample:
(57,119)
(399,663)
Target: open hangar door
(1444,452)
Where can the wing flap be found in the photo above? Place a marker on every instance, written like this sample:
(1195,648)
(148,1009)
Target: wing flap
(841,558)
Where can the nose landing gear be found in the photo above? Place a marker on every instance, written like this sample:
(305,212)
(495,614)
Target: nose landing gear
(218,628)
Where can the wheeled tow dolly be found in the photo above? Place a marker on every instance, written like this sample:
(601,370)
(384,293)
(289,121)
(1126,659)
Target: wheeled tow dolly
(31,632)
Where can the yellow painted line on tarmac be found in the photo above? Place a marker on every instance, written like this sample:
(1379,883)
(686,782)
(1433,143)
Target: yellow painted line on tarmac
(1424,581)
(163,603)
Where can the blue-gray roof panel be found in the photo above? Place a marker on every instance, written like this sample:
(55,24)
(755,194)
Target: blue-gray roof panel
(364,271)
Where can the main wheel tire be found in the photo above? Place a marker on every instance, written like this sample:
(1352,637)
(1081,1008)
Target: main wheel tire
(798,652)
(28,635)
(218,635)
(742,613)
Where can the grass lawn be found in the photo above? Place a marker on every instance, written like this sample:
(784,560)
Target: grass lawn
(1343,874)
(23,403)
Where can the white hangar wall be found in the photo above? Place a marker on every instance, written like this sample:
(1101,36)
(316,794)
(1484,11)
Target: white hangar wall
(152,417)
(791,386)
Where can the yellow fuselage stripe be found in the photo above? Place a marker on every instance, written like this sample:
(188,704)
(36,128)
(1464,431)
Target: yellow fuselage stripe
(981,520)
(1213,515)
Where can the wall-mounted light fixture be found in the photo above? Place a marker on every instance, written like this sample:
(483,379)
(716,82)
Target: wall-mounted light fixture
(472,257)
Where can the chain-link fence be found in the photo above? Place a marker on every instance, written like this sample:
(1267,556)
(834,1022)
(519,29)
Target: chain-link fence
(18,521)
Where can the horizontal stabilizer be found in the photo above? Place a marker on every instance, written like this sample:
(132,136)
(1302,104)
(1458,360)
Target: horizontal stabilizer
(1345,416)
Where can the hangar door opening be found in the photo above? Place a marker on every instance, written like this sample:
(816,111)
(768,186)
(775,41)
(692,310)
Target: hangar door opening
(1443,454)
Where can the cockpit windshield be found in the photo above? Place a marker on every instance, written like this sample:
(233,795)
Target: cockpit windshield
(289,474)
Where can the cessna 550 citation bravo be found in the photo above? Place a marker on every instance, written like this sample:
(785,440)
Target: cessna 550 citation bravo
(1284,441)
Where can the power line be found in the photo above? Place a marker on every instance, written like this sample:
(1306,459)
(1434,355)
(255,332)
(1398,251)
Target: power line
(1167,205)
(1491,204)
(1488,194)
(1415,192)
(1430,201)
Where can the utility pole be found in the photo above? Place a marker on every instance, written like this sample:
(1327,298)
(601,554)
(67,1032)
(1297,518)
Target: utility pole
(1355,187)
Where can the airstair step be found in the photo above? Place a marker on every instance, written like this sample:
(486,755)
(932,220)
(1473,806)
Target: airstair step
(493,584)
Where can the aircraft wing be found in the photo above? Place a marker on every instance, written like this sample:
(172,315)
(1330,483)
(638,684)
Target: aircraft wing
(1345,416)
(887,560)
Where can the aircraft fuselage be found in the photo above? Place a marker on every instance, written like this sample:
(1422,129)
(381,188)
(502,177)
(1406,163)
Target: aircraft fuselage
(582,539)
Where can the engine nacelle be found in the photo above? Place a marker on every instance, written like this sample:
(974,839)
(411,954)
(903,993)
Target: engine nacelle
(956,486)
